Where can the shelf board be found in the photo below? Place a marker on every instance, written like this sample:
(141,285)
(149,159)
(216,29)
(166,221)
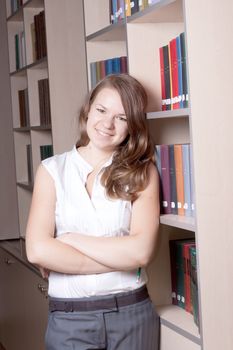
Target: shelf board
(34,3)
(183,222)
(113,32)
(175,113)
(41,127)
(41,64)
(25,185)
(22,129)
(19,72)
(179,321)
(161,12)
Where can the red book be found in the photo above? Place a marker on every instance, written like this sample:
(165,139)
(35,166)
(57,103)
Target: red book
(163,92)
(179,178)
(174,74)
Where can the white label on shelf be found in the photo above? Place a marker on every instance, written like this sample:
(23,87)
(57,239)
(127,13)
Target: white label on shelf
(165,204)
(173,205)
(186,206)
(179,205)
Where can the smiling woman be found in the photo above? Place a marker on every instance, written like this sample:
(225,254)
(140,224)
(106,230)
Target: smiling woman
(102,201)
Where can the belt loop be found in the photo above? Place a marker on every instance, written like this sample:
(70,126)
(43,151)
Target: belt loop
(116,302)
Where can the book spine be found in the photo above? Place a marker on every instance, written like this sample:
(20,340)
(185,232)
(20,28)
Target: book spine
(179,178)
(165,177)
(184,70)
(187,179)
(172,172)
(162,78)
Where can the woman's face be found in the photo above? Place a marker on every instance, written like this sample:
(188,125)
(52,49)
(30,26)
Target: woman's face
(107,124)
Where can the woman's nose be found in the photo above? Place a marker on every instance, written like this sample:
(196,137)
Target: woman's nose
(109,122)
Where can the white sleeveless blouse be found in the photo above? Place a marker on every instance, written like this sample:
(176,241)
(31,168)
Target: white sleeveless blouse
(97,216)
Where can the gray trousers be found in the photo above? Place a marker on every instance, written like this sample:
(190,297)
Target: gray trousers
(132,327)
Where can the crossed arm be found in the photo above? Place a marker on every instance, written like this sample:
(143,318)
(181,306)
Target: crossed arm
(80,254)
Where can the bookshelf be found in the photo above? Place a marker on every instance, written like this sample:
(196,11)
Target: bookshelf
(207,124)
(140,36)
(45,68)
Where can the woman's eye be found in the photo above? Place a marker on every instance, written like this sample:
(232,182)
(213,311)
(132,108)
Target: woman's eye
(121,118)
(101,110)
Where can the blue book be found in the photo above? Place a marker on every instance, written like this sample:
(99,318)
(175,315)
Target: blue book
(93,74)
(187,179)
(179,63)
(116,65)
(114,15)
(109,66)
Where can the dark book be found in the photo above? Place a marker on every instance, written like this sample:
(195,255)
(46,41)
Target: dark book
(167,77)
(184,69)
(165,179)
(178,270)
(134,7)
(180,79)
(162,79)
(29,163)
(187,275)
(194,285)
(124,64)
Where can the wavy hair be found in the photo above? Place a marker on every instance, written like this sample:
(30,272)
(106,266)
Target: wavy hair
(128,173)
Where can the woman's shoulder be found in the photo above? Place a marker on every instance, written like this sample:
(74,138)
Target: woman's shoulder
(55,164)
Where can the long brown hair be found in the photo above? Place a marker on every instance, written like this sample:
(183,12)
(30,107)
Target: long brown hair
(128,173)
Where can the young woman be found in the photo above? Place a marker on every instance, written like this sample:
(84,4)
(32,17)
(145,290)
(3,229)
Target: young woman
(93,225)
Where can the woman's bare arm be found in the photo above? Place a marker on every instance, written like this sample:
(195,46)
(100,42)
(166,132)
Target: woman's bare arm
(42,248)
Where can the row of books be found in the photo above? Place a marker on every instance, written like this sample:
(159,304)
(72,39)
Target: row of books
(44,102)
(184,284)
(124,8)
(46,151)
(23,108)
(173,72)
(20,50)
(174,163)
(15,5)
(102,68)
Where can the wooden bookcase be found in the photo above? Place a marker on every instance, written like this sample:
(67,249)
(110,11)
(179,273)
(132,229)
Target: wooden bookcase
(207,124)
(64,66)
(140,37)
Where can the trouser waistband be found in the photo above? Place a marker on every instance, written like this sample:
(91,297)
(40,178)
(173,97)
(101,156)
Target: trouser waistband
(108,302)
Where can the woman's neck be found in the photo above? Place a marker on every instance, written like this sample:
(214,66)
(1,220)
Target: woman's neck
(93,156)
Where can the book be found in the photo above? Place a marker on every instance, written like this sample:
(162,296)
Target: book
(167,77)
(187,275)
(184,70)
(187,179)
(172,172)
(174,74)
(179,178)
(179,248)
(165,179)
(194,285)
(180,79)
(162,78)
